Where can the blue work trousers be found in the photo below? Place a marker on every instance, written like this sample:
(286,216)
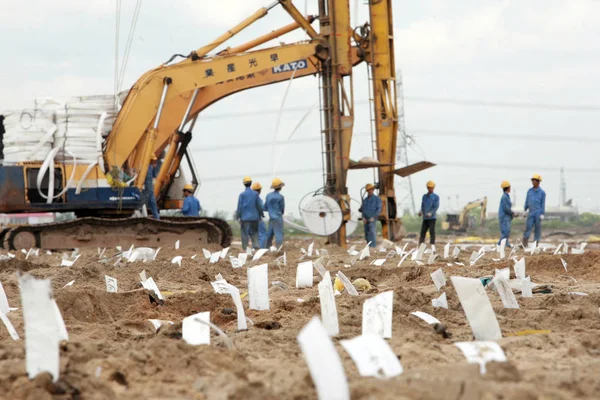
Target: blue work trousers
(275,229)
(262,234)
(505,225)
(151,204)
(371,233)
(250,232)
(533,221)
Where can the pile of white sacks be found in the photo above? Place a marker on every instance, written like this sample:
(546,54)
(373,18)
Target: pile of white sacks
(70,132)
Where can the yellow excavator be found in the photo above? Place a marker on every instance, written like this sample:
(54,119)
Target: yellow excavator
(463,221)
(158,115)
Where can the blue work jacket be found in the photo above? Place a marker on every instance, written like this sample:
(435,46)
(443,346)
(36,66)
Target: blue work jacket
(430,204)
(505,210)
(535,201)
(191,207)
(249,206)
(148,183)
(371,207)
(275,205)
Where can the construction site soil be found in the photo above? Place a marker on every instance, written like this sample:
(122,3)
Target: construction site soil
(114,352)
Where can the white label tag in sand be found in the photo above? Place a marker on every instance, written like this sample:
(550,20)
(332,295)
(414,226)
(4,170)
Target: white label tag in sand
(412,251)
(502,249)
(420,252)
(177,245)
(149,284)
(377,315)
(304,274)
(143,276)
(9,326)
(177,260)
(477,307)
(4,307)
(506,294)
(195,332)
(111,284)
(41,330)
(224,252)
(481,353)
(207,254)
(258,286)
(455,252)
(378,262)
(62,329)
(157,323)
(447,251)
(526,287)
(373,356)
(310,249)
(328,308)
(441,301)
(365,253)
(430,319)
(319,267)
(215,257)
(504,273)
(438,278)
(220,285)
(519,268)
(564,263)
(323,362)
(239,308)
(347,284)
(259,253)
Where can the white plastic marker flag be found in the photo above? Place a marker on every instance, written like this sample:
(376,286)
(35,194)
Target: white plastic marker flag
(420,252)
(143,276)
(438,278)
(272,249)
(177,260)
(41,330)
(533,247)
(4,307)
(378,262)
(557,250)
(328,308)
(243,257)
(504,273)
(377,315)
(373,356)
(323,362)
(304,274)
(477,307)
(481,353)
(111,284)
(9,326)
(455,252)
(412,251)
(195,332)
(347,284)
(564,263)
(506,294)
(68,284)
(214,257)
(207,254)
(157,323)
(177,245)
(239,308)
(220,285)
(430,319)
(259,254)
(447,251)
(258,287)
(365,253)
(62,329)
(69,263)
(441,301)
(526,287)
(352,251)
(565,248)
(149,284)
(310,249)
(520,268)
(431,259)
(156,254)
(319,267)
(502,249)
(224,252)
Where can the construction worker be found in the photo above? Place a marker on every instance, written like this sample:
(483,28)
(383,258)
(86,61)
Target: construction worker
(370,209)
(149,188)
(429,206)
(505,213)
(191,205)
(262,228)
(249,212)
(535,202)
(275,205)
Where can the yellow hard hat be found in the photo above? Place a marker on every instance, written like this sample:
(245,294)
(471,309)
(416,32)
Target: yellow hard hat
(256,186)
(338,284)
(277,183)
(505,184)
(369,186)
(153,157)
(431,184)
(247,179)
(189,187)
(537,177)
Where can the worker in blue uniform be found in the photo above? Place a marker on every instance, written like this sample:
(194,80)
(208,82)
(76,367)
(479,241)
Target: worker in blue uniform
(370,209)
(429,206)
(275,205)
(191,205)
(505,213)
(249,212)
(149,188)
(262,227)
(535,203)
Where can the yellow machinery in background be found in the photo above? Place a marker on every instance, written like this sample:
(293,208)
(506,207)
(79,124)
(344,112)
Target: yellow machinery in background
(463,221)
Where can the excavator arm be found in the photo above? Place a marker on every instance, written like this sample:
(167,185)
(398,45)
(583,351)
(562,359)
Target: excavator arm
(471,206)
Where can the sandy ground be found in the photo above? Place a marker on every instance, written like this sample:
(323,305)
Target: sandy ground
(115,353)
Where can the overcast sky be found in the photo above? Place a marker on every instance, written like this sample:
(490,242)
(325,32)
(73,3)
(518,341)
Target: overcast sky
(516,52)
